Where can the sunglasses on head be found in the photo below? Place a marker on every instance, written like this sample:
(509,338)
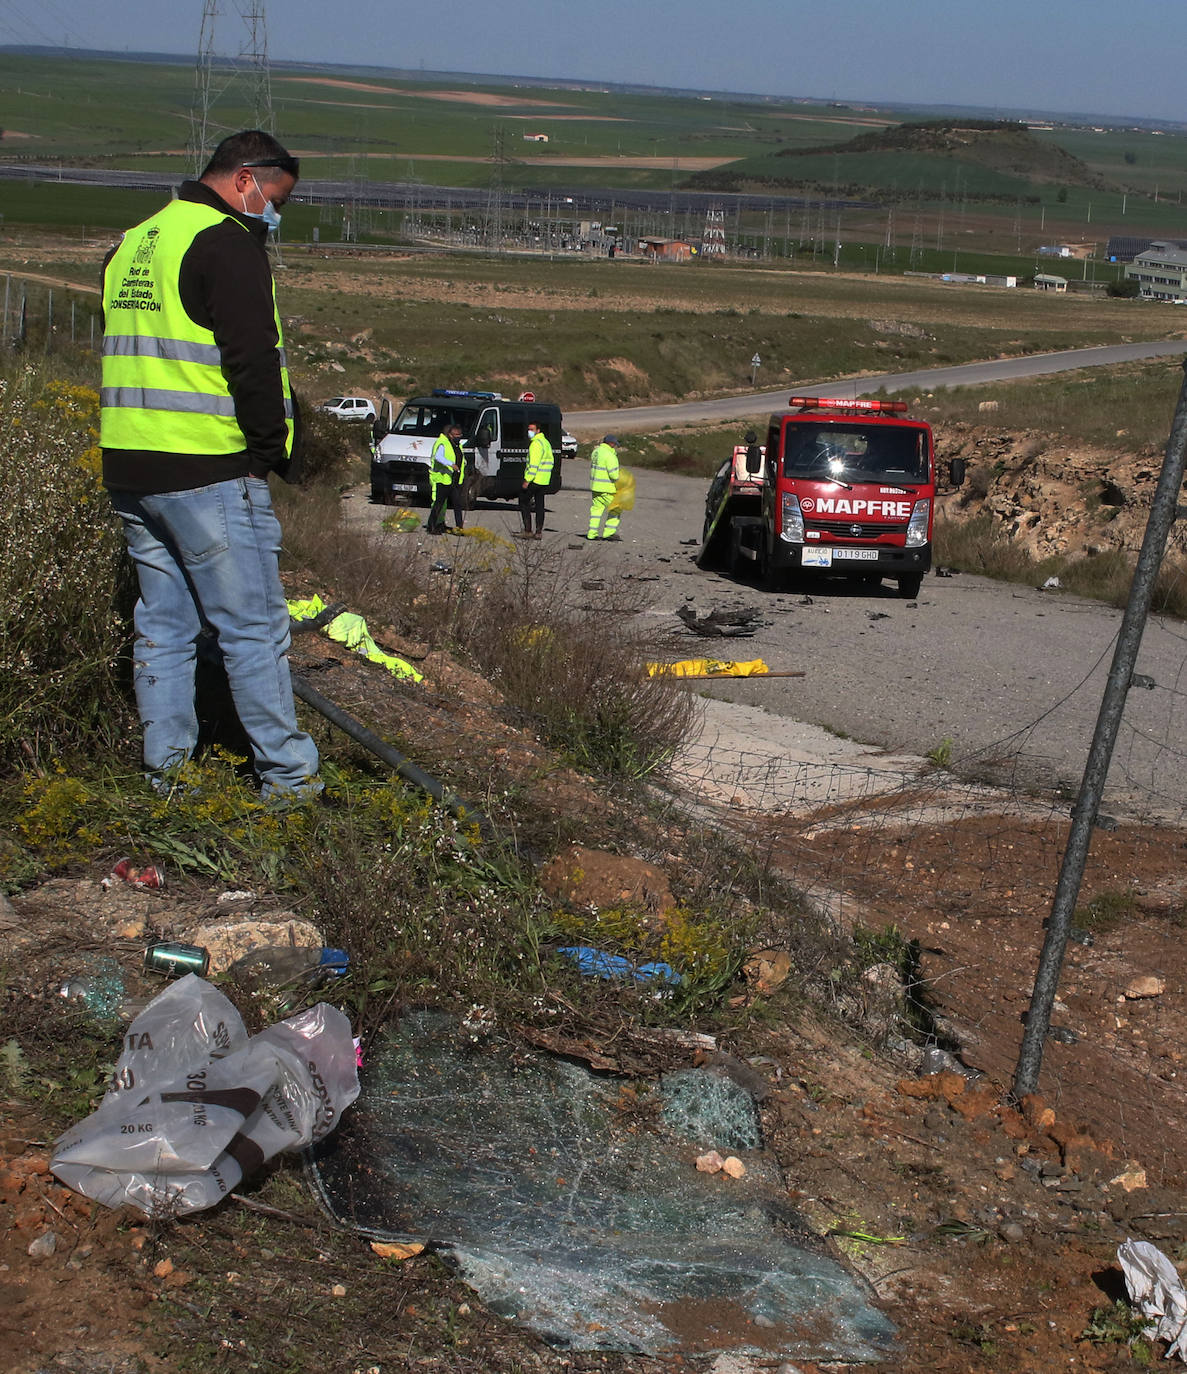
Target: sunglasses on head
(291,165)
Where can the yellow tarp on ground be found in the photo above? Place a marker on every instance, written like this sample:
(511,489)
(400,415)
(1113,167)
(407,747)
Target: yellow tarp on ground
(708,667)
(624,492)
(351,630)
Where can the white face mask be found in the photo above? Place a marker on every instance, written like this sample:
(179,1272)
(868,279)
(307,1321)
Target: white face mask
(269,214)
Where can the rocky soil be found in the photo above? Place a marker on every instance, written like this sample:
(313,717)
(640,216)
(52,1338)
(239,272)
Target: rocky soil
(988,1233)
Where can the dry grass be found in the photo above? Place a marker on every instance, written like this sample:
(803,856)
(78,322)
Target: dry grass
(980,545)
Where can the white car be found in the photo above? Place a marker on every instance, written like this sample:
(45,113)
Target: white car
(349,407)
(568,445)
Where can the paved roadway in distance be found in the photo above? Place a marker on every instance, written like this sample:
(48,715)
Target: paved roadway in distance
(752,405)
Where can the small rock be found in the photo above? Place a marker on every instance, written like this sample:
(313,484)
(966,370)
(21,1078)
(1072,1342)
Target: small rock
(43,1247)
(227,941)
(1130,1179)
(163,1268)
(936,1060)
(767,970)
(1012,1233)
(734,1167)
(1148,986)
(339,1290)
(710,1163)
(765,1322)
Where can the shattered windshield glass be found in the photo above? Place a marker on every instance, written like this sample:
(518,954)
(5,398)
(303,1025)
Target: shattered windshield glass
(855,453)
(572,1202)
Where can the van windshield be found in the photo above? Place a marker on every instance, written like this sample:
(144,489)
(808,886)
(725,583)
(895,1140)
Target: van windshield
(855,453)
(432,419)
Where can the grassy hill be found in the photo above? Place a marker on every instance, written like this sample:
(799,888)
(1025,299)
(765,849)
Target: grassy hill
(984,160)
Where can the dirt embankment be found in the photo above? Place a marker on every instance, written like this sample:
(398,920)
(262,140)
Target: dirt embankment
(1050,494)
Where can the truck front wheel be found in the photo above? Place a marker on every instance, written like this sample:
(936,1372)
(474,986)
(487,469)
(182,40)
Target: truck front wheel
(909,584)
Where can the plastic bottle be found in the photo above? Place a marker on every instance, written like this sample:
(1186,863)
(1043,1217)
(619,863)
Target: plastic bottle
(281,965)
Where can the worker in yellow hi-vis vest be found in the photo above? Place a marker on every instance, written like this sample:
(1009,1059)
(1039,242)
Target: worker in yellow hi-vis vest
(603,479)
(447,471)
(537,474)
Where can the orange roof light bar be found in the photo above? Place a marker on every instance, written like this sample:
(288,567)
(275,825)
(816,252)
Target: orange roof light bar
(833,403)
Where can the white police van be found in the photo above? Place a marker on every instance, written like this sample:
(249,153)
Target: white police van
(494,441)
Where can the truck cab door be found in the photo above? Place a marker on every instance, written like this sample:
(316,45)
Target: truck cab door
(487,443)
(382,424)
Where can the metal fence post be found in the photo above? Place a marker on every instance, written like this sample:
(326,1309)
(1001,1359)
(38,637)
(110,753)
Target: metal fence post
(1129,638)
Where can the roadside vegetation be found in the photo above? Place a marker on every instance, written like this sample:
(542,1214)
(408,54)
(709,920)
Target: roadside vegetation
(429,906)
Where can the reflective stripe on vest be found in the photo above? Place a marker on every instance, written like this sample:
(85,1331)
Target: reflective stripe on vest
(163,385)
(177,350)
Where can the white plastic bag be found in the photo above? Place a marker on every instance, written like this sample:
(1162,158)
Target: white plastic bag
(1157,1290)
(195,1104)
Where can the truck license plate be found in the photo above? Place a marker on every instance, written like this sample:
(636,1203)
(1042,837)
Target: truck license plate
(865,555)
(403,486)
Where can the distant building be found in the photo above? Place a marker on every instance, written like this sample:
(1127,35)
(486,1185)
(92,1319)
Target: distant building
(1055,250)
(1045,282)
(1161,272)
(667,250)
(535,138)
(1126,247)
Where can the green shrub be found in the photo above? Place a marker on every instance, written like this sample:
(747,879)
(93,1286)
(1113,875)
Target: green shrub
(65,580)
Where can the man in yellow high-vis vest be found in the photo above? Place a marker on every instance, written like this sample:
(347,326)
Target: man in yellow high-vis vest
(603,479)
(537,476)
(447,472)
(196,411)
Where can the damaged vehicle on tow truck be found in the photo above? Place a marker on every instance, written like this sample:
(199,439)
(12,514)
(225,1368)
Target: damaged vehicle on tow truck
(840,488)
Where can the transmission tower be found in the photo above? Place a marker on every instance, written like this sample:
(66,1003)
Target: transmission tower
(494,196)
(713,241)
(237,80)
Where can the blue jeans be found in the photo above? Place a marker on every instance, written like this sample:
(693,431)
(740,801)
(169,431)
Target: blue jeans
(209,557)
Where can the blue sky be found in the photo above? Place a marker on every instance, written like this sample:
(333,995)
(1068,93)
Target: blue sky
(1084,56)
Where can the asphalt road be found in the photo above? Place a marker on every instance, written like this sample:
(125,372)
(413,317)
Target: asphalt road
(754,404)
(1012,676)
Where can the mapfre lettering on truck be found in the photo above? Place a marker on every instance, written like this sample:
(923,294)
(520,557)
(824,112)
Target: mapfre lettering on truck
(842,505)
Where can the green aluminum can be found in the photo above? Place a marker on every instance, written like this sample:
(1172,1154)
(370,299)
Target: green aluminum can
(174,960)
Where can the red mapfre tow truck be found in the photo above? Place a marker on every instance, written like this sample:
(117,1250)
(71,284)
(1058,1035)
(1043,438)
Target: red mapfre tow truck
(840,487)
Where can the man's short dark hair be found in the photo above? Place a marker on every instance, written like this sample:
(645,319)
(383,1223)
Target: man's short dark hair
(250,148)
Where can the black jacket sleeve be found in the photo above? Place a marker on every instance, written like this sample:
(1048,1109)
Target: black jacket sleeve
(226,286)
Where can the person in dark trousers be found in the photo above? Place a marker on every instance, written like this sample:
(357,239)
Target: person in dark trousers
(446,474)
(196,412)
(537,474)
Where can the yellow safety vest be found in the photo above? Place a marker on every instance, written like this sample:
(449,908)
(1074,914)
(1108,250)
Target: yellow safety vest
(163,387)
(603,468)
(539,466)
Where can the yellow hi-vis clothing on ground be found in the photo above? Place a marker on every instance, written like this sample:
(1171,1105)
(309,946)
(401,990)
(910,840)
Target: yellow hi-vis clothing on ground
(603,478)
(538,471)
(351,630)
(163,385)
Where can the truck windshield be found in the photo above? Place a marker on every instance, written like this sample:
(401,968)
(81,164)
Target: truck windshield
(855,453)
(431,419)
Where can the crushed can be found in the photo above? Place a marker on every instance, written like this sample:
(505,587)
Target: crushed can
(173,959)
